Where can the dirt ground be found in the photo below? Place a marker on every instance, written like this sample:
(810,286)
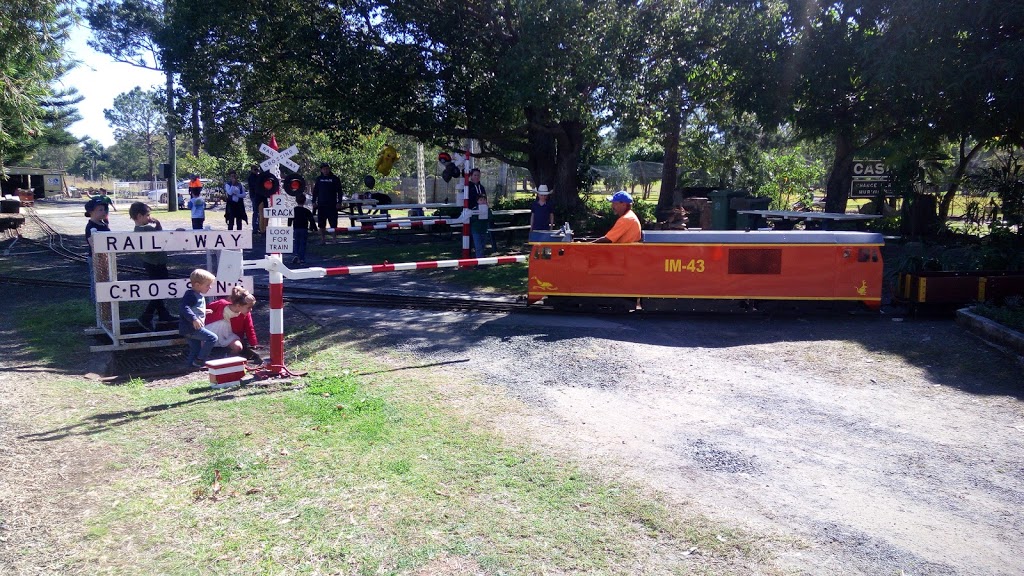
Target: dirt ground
(855,444)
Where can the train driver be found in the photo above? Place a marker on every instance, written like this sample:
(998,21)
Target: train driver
(627,227)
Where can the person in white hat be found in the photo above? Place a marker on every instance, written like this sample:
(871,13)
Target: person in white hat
(542,214)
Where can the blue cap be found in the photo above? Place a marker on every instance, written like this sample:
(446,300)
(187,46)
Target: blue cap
(621,196)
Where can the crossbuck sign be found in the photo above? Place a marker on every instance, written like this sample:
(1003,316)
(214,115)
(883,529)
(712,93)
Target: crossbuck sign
(276,158)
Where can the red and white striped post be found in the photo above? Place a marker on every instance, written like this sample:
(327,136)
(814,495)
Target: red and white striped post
(277,323)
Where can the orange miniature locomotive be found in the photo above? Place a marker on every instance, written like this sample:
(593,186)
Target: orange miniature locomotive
(668,266)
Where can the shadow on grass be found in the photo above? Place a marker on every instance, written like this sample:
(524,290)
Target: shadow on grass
(106,421)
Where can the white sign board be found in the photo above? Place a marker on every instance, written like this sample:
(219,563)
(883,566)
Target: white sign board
(279,240)
(171,241)
(281,206)
(135,290)
(281,158)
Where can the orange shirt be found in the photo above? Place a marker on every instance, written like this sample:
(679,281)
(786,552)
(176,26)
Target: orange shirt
(626,229)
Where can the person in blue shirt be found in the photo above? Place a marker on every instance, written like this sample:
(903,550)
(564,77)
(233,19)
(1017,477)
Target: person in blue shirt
(542,214)
(192,319)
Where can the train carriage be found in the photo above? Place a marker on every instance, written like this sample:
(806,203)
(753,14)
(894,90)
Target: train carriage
(673,265)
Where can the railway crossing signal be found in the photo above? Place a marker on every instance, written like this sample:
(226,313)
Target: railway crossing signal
(294,185)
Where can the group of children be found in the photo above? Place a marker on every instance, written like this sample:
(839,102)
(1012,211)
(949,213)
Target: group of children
(224,323)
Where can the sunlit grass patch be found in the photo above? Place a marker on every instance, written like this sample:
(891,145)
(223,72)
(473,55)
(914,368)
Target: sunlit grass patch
(54,331)
(356,469)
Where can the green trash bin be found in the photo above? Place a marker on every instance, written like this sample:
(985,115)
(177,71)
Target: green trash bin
(751,221)
(723,216)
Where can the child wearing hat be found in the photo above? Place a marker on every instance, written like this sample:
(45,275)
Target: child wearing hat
(96,211)
(542,214)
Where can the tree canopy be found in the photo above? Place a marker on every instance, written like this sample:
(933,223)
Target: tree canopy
(32,58)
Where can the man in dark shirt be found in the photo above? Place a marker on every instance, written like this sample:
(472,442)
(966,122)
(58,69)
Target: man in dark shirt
(326,193)
(259,199)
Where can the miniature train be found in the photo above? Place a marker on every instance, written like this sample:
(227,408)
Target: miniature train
(667,268)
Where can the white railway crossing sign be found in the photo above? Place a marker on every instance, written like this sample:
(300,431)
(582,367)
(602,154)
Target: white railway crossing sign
(170,241)
(281,206)
(278,158)
(138,290)
(279,240)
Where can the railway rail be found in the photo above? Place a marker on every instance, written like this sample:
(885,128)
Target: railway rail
(54,242)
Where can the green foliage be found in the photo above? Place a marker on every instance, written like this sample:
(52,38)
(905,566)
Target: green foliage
(351,156)
(32,58)
(138,118)
(789,177)
(1010,314)
(204,165)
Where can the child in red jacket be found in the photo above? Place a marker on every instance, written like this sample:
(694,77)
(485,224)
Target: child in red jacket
(231,321)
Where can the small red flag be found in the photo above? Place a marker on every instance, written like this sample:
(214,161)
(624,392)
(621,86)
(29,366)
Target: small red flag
(273,142)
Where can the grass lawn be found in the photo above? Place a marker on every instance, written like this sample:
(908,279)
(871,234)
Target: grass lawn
(363,467)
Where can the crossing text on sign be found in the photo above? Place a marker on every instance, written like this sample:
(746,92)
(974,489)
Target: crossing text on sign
(134,290)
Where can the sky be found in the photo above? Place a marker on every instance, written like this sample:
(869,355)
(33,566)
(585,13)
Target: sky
(99,78)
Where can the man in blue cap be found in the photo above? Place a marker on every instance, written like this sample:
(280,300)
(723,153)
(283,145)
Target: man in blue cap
(627,227)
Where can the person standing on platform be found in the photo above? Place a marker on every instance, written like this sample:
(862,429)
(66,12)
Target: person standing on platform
(97,213)
(326,195)
(542,214)
(477,226)
(234,206)
(198,207)
(301,223)
(259,200)
(155,264)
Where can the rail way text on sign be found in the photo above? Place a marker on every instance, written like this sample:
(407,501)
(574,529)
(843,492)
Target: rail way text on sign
(135,290)
(171,241)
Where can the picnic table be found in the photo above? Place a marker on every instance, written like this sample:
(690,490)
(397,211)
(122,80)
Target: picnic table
(504,222)
(787,219)
(354,207)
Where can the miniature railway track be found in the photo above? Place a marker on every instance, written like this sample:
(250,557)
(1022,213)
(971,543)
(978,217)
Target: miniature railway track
(301,295)
(54,242)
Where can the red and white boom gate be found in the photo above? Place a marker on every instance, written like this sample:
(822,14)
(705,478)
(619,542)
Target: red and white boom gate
(232,265)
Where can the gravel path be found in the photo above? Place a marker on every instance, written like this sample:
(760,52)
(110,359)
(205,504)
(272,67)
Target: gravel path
(858,444)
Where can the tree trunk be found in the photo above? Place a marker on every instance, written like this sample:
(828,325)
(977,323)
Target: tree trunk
(670,142)
(541,159)
(958,177)
(567,163)
(837,189)
(197,136)
(172,196)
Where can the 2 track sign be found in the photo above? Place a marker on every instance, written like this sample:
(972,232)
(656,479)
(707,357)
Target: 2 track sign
(870,178)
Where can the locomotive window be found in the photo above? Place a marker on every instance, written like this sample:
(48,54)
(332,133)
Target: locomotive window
(546,254)
(755,261)
(864,255)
